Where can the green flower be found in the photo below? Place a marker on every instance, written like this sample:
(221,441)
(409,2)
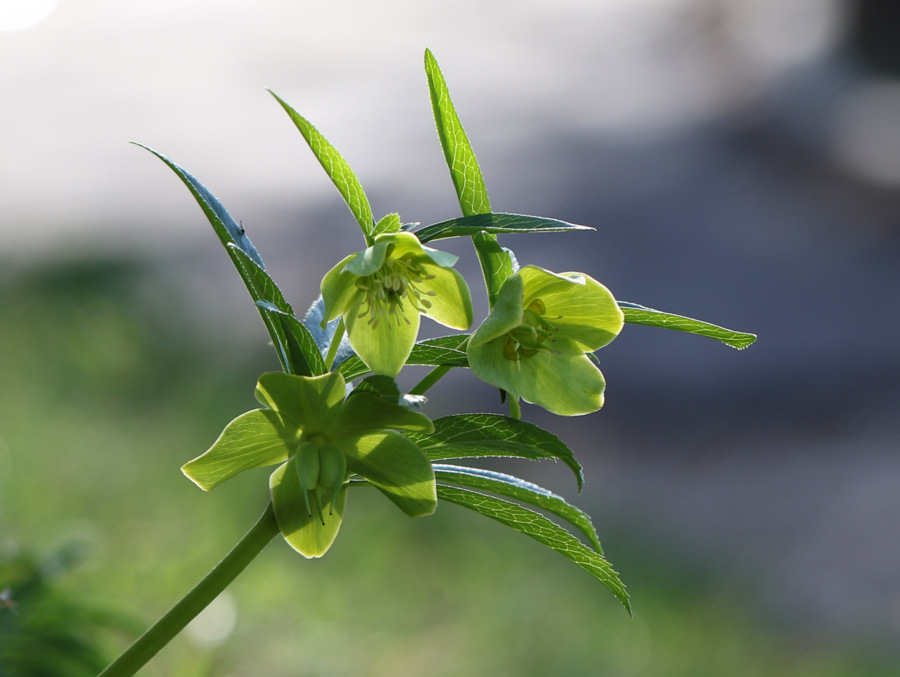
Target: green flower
(382,291)
(321,439)
(533,343)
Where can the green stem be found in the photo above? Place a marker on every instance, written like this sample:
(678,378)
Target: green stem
(430,379)
(151,642)
(515,409)
(335,344)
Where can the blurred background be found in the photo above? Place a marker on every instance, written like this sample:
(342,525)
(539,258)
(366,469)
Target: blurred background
(741,164)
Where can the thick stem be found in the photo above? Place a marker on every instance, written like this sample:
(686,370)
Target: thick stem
(151,642)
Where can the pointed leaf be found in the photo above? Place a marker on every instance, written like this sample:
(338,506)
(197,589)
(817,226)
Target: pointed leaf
(303,356)
(519,489)
(481,435)
(464,170)
(310,535)
(337,169)
(638,314)
(542,530)
(302,401)
(389,223)
(223,224)
(252,440)
(362,412)
(496,223)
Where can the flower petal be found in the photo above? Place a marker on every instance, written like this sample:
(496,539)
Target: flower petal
(505,316)
(338,289)
(310,535)
(397,467)
(452,304)
(384,344)
(368,260)
(365,412)
(581,308)
(252,440)
(564,384)
(489,363)
(308,403)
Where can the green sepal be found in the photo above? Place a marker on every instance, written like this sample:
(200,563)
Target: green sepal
(254,439)
(309,534)
(485,435)
(367,261)
(302,401)
(361,409)
(440,352)
(541,529)
(638,314)
(337,169)
(396,467)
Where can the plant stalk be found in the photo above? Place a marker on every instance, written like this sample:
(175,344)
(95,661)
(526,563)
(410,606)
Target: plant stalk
(153,640)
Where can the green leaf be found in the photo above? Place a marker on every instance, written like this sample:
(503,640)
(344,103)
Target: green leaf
(442,352)
(542,530)
(638,314)
(496,262)
(519,489)
(337,169)
(228,230)
(252,440)
(481,435)
(464,170)
(295,346)
(389,223)
(494,222)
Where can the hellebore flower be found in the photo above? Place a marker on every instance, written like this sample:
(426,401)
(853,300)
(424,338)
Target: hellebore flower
(533,344)
(382,291)
(321,439)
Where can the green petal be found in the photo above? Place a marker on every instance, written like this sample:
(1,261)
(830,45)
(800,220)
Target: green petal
(505,316)
(252,440)
(564,383)
(567,385)
(452,304)
(308,403)
(339,289)
(368,260)
(305,533)
(364,413)
(583,309)
(397,467)
(385,345)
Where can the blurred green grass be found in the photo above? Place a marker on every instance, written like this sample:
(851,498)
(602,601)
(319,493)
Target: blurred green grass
(108,385)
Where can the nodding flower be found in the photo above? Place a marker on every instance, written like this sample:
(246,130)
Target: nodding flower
(382,291)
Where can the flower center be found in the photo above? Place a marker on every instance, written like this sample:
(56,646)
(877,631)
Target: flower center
(528,338)
(396,285)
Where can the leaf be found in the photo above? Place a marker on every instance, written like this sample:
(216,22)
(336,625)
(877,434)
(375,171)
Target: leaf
(496,262)
(542,530)
(514,487)
(323,337)
(481,435)
(292,347)
(296,348)
(638,314)
(434,352)
(337,169)
(464,170)
(494,222)
(228,230)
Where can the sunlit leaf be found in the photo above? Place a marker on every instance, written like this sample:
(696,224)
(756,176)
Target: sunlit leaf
(337,169)
(494,222)
(481,435)
(638,314)
(519,489)
(542,530)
